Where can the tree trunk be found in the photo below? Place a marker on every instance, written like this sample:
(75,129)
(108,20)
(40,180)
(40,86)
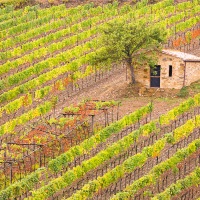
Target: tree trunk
(129,62)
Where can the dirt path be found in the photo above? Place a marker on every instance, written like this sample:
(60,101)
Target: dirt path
(117,87)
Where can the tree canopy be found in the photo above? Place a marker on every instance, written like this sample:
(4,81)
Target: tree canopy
(135,43)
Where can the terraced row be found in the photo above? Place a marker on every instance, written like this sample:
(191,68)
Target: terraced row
(103,153)
(25,89)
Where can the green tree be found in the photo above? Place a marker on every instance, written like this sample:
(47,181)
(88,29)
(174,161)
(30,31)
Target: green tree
(135,43)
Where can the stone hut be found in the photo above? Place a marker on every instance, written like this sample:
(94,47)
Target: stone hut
(175,69)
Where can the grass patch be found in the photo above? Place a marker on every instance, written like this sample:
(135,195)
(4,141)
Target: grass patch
(190,90)
(184,92)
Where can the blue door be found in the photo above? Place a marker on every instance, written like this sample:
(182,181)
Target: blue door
(155,76)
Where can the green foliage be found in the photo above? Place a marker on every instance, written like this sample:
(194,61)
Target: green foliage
(99,137)
(192,179)
(19,187)
(183,107)
(87,165)
(130,164)
(14,3)
(183,92)
(116,148)
(71,109)
(9,126)
(133,42)
(158,170)
(113,175)
(21,29)
(7,96)
(99,105)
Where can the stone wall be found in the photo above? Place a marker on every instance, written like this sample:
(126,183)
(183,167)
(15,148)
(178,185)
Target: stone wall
(142,74)
(177,79)
(192,72)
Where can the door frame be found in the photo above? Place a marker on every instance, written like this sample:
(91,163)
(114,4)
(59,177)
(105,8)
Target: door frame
(155,77)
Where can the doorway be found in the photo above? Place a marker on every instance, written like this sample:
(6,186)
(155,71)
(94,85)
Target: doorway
(155,76)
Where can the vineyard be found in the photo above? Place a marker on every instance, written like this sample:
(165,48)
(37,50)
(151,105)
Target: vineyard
(52,147)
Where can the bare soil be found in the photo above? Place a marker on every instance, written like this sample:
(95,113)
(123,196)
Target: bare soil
(117,87)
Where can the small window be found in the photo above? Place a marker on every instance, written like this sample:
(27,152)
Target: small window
(170,70)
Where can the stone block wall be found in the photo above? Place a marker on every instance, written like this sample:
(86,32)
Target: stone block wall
(142,75)
(192,72)
(176,81)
